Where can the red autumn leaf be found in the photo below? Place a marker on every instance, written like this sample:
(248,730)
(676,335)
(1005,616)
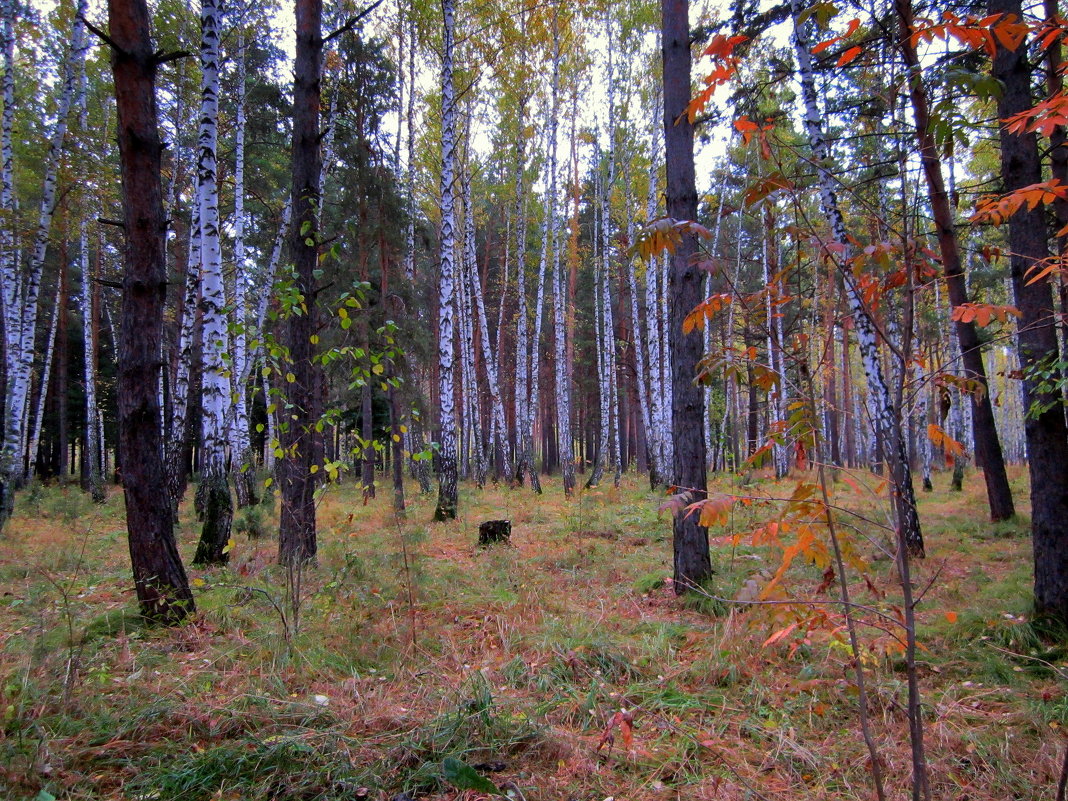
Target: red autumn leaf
(848,56)
(780,635)
(624,721)
(723,46)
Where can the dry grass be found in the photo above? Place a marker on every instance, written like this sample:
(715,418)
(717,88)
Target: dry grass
(511,658)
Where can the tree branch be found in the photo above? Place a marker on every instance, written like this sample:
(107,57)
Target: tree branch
(102,36)
(348,26)
(162,58)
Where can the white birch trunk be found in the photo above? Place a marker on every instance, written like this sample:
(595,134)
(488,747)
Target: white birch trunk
(46,376)
(667,441)
(658,466)
(178,436)
(475,457)
(773,324)
(563,390)
(21,299)
(213,492)
(600,262)
(639,339)
(447,492)
(240,434)
(92,460)
(523,378)
(885,415)
(499,431)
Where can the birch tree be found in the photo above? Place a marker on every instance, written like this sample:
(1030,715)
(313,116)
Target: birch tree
(91,475)
(447,492)
(214,505)
(885,419)
(240,435)
(563,389)
(21,292)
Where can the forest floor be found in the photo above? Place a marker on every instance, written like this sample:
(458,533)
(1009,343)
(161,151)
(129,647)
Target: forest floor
(409,647)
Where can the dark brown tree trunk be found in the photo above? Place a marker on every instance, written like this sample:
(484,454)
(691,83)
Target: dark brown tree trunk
(987,445)
(1047,438)
(159,578)
(692,562)
(302,443)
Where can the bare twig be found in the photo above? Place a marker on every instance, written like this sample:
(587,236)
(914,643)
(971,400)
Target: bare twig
(351,23)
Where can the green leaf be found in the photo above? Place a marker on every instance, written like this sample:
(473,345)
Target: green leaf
(463,777)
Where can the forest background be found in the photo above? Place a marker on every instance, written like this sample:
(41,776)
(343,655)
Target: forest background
(466,243)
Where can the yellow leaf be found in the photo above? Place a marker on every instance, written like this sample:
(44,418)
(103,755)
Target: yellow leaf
(198,582)
(229,545)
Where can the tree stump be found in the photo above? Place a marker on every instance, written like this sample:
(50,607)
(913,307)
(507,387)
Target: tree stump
(494,531)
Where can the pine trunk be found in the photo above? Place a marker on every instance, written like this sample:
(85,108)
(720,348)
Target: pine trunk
(159,578)
(301,442)
(692,563)
(987,445)
(1044,425)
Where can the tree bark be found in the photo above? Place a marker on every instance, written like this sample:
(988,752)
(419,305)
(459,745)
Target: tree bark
(447,493)
(301,442)
(213,501)
(887,422)
(159,578)
(987,445)
(91,463)
(21,298)
(692,562)
(243,467)
(1045,432)
(565,443)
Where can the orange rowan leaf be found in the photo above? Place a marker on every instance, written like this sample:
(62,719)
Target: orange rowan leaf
(714,510)
(982,313)
(848,56)
(780,635)
(722,46)
(1009,33)
(951,617)
(940,439)
(766,186)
